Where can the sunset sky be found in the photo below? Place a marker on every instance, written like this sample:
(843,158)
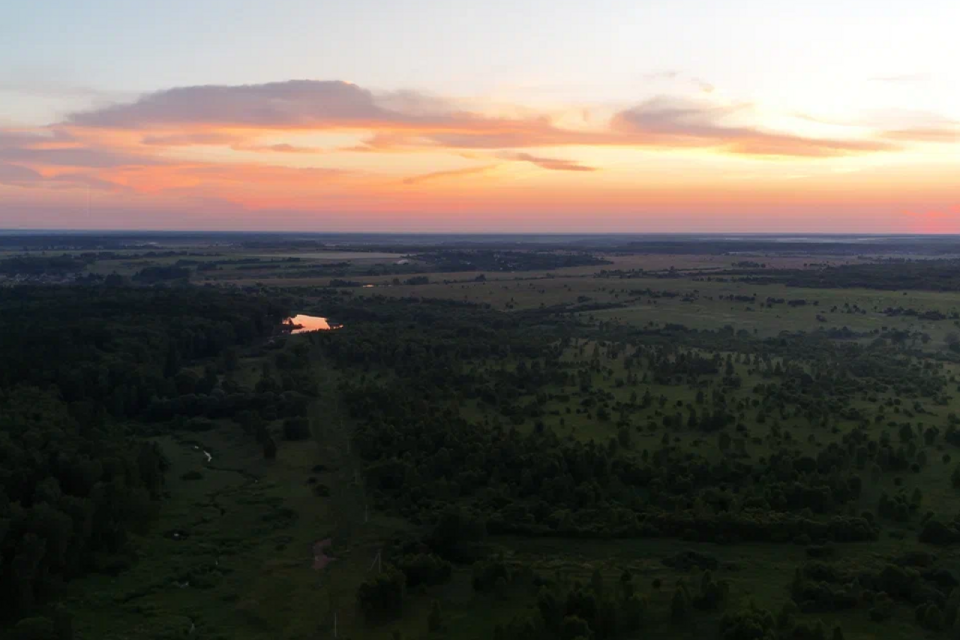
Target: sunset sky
(618,115)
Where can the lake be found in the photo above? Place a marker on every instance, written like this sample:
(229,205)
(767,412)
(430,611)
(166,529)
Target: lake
(301,323)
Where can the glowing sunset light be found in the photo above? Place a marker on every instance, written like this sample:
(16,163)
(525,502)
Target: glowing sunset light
(630,117)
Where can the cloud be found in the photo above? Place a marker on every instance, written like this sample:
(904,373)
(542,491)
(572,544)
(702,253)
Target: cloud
(190,139)
(677,117)
(58,158)
(295,103)
(703,85)
(546,163)
(898,125)
(276,148)
(144,145)
(452,173)
(410,120)
(661,75)
(506,134)
(685,123)
(58,148)
(75,157)
(415,103)
(235,142)
(51,81)
(902,78)
(245,172)
(667,76)
(396,119)
(925,134)
(17,175)
(903,119)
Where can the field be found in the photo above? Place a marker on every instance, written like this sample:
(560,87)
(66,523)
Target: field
(652,434)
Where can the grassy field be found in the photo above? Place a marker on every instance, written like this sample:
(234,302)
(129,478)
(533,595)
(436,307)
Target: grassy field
(231,554)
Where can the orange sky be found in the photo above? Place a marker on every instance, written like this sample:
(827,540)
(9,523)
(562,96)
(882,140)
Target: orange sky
(335,156)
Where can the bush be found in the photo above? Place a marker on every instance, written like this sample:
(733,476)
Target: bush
(751,624)
(424,568)
(296,429)
(936,532)
(487,572)
(35,629)
(381,597)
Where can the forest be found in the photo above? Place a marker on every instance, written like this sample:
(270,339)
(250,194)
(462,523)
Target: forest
(77,363)
(768,453)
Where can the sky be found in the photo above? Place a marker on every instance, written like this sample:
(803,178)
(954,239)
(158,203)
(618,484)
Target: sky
(524,116)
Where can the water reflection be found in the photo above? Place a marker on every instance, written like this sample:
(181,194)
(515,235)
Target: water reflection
(301,323)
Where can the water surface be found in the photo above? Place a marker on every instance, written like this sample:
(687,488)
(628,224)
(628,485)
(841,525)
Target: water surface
(302,323)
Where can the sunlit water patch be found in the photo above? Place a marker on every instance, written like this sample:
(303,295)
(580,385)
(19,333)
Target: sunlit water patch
(301,323)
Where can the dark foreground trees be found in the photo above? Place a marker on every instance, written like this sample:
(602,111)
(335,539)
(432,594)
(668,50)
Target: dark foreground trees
(80,367)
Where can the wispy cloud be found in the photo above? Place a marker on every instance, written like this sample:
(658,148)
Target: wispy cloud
(47,81)
(902,78)
(451,173)
(150,144)
(16,175)
(944,135)
(60,149)
(704,86)
(685,123)
(656,76)
(197,115)
(190,139)
(276,148)
(554,164)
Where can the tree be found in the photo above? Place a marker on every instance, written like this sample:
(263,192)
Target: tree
(951,608)
(35,629)
(172,363)
(381,597)
(711,593)
(574,627)
(752,623)
(634,613)
(296,429)
(916,499)
(26,568)
(596,583)
(679,605)
(435,619)
(269,448)
(230,360)
(724,441)
(930,616)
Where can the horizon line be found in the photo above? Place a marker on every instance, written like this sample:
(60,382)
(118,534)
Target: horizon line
(19,231)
